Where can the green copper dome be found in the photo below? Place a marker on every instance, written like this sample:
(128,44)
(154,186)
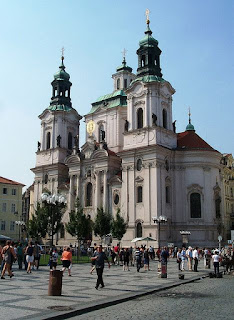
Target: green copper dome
(190,127)
(148,40)
(61,74)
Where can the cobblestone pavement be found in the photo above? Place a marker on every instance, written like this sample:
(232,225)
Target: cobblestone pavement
(203,299)
(25,296)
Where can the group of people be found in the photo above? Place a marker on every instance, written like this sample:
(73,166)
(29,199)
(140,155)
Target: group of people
(11,252)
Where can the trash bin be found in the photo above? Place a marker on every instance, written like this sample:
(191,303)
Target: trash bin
(55,283)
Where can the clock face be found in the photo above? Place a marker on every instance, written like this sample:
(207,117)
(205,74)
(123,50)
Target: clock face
(90,127)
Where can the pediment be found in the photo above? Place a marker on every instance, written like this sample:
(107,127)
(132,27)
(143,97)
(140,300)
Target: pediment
(97,154)
(73,159)
(139,179)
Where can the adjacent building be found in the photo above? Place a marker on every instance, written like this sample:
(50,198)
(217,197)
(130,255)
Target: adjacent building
(10,208)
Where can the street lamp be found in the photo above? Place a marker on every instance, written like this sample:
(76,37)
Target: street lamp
(53,201)
(20,224)
(159,220)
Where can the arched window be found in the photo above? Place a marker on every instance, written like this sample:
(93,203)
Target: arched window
(125,83)
(139,230)
(100,134)
(139,194)
(139,165)
(164,119)
(139,118)
(143,61)
(118,84)
(48,140)
(62,231)
(168,200)
(195,205)
(69,145)
(89,193)
(46,178)
(217,207)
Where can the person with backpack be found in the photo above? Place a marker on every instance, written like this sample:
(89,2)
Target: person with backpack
(8,256)
(30,256)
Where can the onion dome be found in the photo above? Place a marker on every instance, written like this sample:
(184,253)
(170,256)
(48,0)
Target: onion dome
(61,74)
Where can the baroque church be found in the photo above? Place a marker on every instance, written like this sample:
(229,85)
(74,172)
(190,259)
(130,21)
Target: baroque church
(133,158)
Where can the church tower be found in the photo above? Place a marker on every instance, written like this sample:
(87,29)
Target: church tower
(59,136)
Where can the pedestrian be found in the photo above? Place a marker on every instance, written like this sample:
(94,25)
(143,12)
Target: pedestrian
(216,259)
(29,256)
(151,253)
(164,255)
(183,258)
(195,258)
(93,261)
(8,254)
(66,260)
(20,255)
(138,257)
(113,256)
(100,258)
(126,257)
(54,258)
(146,260)
(37,250)
(189,255)
(179,258)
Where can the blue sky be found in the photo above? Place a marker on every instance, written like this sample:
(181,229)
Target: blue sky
(197,43)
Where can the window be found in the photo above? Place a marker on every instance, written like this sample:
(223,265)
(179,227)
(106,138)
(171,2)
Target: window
(100,133)
(69,145)
(46,178)
(139,118)
(118,84)
(13,208)
(139,165)
(12,226)
(168,194)
(48,140)
(4,207)
(3,225)
(164,119)
(62,231)
(125,83)
(4,191)
(139,230)
(13,192)
(143,61)
(195,205)
(89,191)
(116,199)
(217,207)
(139,194)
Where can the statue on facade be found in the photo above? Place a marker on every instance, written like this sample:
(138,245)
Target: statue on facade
(38,146)
(174,126)
(76,141)
(59,141)
(154,119)
(126,125)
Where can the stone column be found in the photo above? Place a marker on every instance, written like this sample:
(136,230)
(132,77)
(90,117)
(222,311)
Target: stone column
(105,190)
(78,186)
(97,191)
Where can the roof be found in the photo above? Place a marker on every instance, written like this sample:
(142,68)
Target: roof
(189,140)
(149,78)
(59,107)
(8,181)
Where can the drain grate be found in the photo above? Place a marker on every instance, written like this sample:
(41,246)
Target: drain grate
(61,308)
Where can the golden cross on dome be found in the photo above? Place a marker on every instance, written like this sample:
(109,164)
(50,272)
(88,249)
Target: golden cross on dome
(189,113)
(124,53)
(62,53)
(147,12)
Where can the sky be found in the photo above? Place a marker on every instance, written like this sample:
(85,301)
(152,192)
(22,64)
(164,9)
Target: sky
(197,43)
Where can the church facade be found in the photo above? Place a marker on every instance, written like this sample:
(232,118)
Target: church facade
(133,158)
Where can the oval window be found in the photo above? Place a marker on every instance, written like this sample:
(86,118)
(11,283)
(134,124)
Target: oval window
(116,198)
(139,165)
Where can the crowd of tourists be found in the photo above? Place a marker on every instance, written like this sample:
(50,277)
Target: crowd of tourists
(187,259)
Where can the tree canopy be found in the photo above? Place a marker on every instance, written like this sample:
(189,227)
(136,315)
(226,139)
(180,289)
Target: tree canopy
(118,226)
(102,223)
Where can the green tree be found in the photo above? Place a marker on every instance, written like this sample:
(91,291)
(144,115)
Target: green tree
(80,225)
(46,220)
(102,223)
(118,226)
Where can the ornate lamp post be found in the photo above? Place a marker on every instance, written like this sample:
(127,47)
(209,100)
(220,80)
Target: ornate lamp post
(20,224)
(53,201)
(159,220)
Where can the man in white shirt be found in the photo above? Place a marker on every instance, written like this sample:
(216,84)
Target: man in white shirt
(216,259)
(189,254)
(195,258)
